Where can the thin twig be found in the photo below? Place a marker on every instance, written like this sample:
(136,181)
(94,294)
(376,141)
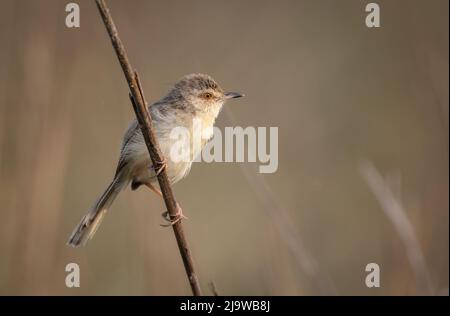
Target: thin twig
(145,122)
(395,212)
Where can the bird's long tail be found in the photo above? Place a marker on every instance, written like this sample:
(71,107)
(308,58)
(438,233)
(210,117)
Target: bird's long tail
(92,220)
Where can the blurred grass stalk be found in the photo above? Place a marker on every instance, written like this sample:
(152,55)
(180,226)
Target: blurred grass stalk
(396,214)
(36,162)
(283,224)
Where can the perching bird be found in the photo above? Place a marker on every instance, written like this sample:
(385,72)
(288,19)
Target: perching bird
(196,97)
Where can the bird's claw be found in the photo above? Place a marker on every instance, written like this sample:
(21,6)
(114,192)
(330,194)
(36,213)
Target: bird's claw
(172,220)
(160,166)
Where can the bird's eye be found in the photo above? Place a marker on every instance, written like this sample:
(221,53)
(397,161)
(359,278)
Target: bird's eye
(207,95)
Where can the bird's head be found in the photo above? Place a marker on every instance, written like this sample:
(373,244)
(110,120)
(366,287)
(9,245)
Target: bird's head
(202,93)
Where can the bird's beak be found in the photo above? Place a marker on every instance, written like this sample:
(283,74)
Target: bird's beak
(233,95)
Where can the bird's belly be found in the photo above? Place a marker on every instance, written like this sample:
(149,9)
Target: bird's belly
(144,172)
(177,167)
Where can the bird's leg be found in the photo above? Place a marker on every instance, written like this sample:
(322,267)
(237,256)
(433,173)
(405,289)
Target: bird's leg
(151,187)
(173,219)
(161,165)
(170,219)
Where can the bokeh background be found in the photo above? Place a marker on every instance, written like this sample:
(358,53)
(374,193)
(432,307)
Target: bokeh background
(363,147)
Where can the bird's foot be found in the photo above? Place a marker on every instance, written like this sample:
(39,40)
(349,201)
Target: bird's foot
(172,220)
(160,166)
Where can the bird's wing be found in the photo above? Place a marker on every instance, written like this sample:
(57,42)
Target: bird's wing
(133,128)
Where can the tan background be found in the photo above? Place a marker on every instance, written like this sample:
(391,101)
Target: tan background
(339,92)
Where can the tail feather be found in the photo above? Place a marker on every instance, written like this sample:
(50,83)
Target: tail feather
(92,220)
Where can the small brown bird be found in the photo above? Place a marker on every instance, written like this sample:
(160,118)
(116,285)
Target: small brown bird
(194,97)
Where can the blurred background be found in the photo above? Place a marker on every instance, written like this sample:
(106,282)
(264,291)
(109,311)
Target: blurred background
(363,147)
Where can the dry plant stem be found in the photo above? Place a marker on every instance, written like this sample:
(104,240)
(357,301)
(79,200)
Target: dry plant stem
(394,210)
(213,288)
(145,122)
(280,218)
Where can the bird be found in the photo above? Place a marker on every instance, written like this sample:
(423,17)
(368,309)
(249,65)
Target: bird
(194,97)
